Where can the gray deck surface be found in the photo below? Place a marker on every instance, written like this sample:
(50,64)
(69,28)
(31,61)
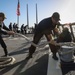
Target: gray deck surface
(18,48)
(41,63)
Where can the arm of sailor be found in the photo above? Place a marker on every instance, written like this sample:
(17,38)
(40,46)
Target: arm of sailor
(3,31)
(5,27)
(10,32)
(51,40)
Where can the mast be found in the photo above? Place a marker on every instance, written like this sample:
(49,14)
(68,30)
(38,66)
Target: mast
(36,15)
(27,16)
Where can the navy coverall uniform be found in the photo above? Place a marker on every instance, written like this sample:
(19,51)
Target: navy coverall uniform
(45,27)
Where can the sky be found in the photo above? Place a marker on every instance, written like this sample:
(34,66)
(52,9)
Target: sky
(45,8)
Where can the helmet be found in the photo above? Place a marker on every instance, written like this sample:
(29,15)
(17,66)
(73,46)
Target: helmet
(2,15)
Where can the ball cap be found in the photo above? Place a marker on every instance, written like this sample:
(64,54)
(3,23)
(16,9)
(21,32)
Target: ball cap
(2,15)
(56,16)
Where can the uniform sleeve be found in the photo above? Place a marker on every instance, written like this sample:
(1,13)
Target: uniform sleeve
(2,31)
(5,27)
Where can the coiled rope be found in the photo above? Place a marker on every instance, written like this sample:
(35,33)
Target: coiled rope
(6,61)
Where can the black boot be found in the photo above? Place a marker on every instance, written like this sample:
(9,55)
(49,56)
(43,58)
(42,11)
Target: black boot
(29,56)
(54,56)
(6,52)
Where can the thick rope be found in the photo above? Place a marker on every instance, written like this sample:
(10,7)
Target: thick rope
(72,44)
(38,46)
